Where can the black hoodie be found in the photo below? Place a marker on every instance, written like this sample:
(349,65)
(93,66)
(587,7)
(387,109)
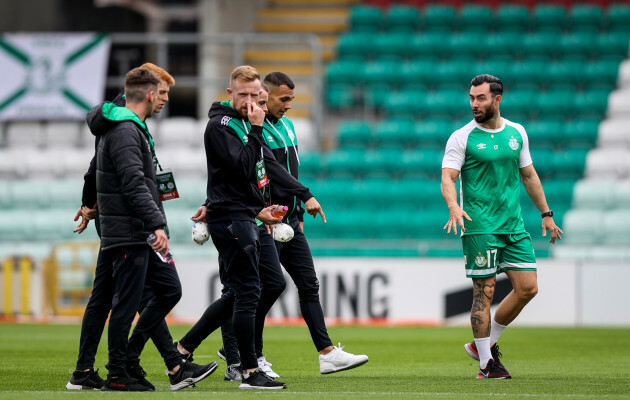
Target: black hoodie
(233,146)
(128,201)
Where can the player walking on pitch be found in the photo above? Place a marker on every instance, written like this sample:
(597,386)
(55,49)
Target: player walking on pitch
(490,156)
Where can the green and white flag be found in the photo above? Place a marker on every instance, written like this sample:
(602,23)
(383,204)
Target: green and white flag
(51,76)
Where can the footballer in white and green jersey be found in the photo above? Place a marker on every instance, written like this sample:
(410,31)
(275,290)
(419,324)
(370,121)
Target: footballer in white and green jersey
(489,161)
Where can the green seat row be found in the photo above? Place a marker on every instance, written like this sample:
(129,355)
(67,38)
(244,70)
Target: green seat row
(434,132)
(577,45)
(427,73)
(507,17)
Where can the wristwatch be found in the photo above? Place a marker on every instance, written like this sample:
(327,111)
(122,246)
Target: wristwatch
(547,214)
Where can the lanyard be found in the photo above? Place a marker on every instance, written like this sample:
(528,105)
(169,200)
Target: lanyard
(152,148)
(282,138)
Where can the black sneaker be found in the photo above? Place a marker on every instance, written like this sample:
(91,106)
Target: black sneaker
(85,380)
(233,372)
(259,380)
(137,372)
(124,384)
(189,374)
(221,353)
(496,357)
(492,371)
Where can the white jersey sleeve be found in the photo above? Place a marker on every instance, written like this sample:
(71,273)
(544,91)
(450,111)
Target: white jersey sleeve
(524,158)
(455,152)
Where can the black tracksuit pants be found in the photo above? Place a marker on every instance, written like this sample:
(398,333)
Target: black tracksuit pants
(120,275)
(97,310)
(272,284)
(295,255)
(239,248)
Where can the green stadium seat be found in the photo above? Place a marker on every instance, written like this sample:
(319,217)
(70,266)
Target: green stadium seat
(354,134)
(466,46)
(342,163)
(448,103)
(601,74)
(559,193)
(342,72)
(355,45)
(414,193)
(67,192)
(527,73)
(439,17)
(549,18)
(543,161)
(376,95)
(621,194)
(544,133)
(407,103)
(417,72)
(365,19)
(518,105)
(565,74)
(15,224)
(581,133)
(613,45)
(428,45)
(310,165)
(541,45)
(394,46)
(454,74)
(475,18)
(499,68)
(395,133)
(586,18)
(512,18)
(340,97)
(591,103)
(619,18)
(381,72)
(555,103)
(433,133)
(402,18)
(569,163)
(382,163)
(577,46)
(505,45)
(426,163)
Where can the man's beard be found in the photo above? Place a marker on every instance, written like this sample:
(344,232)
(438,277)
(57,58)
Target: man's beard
(485,116)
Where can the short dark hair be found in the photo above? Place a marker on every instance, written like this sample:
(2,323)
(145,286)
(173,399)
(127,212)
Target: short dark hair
(279,79)
(264,87)
(496,86)
(138,82)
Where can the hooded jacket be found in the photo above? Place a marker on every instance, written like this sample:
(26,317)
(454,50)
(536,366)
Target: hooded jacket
(128,201)
(233,147)
(279,135)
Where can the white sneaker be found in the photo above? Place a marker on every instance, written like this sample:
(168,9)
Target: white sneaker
(339,360)
(265,366)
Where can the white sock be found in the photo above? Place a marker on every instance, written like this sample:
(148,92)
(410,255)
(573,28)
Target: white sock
(496,330)
(483,347)
(246,375)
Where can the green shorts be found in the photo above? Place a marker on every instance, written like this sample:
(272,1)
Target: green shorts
(489,255)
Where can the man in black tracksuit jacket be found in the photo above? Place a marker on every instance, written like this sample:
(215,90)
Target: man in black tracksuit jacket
(130,209)
(295,255)
(182,374)
(236,191)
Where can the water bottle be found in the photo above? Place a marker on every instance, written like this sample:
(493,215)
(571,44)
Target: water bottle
(165,257)
(280,211)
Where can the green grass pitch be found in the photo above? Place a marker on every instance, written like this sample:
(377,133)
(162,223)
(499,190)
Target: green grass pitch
(405,363)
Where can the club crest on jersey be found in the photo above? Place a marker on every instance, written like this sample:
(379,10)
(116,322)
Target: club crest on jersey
(480,260)
(270,138)
(225,120)
(245,139)
(513,144)
(481,146)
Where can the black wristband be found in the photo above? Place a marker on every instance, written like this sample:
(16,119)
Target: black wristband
(547,214)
